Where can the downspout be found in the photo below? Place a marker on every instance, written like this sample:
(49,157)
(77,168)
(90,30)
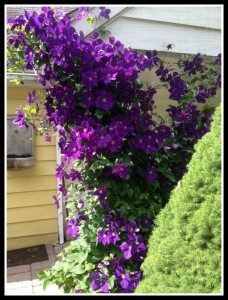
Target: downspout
(60,209)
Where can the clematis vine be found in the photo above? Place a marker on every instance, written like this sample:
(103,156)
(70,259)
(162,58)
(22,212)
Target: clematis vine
(119,159)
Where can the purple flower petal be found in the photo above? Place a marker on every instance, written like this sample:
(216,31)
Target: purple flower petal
(124,246)
(96,284)
(104,287)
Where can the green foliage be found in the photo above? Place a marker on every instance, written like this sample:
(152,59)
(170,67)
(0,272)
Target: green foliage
(74,265)
(184,253)
(17,80)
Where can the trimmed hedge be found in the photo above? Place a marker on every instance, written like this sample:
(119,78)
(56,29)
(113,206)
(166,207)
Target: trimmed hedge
(184,253)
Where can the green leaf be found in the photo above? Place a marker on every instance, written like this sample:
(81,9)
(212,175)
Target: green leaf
(79,269)
(32,111)
(16,81)
(99,115)
(142,211)
(10,70)
(89,267)
(136,191)
(43,274)
(130,192)
(111,281)
(96,258)
(124,208)
(156,183)
(131,218)
(104,32)
(107,258)
(58,266)
(142,196)
(47,283)
(72,257)
(170,176)
(90,19)
(83,285)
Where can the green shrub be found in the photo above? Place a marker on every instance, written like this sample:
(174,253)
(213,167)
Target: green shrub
(184,253)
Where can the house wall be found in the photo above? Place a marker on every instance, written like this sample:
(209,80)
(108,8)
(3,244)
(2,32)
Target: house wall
(161,98)
(31,214)
(189,29)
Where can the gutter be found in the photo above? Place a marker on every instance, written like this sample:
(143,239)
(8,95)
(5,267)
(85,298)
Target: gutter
(26,76)
(105,23)
(27,79)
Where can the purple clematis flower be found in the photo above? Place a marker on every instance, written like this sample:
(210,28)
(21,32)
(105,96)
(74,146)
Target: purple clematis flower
(82,13)
(81,204)
(32,97)
(72,229)
(30,56)
(99,281)
(56,201)
(101,193)
(62,189)
(126,281)
(146,222)
(104,12)
(47,137)
(88,99)
(75,175)
(201,96)
(89,79)
(218,81)
(60,14)
(114,144)
(218,60)
(131,227)
(108,75)
(194,65)
(105,100)
(103,237)
(122,170)
(150,173)
(59,171)
(107,236)
(177,87)
(135,278)
(102,137)
(126,250)
(19,121)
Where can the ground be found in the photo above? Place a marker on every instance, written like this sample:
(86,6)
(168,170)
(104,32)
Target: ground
(22,276)
(26,256)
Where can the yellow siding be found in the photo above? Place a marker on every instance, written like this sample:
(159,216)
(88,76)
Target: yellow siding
(31,213)
(27,241)
(40,168)
(25,214)
(29,228)
(44,152)
(29,184)
(39,141)
(30,198)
